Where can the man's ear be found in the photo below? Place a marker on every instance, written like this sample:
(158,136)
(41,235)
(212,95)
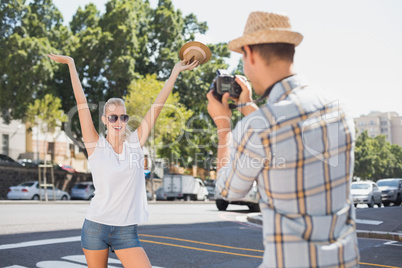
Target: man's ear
(248,54)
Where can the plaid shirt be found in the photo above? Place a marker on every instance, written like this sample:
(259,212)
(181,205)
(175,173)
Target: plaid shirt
(299,147)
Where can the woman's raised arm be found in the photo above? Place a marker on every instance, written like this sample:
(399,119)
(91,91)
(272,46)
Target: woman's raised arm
(150,118)
(89,133)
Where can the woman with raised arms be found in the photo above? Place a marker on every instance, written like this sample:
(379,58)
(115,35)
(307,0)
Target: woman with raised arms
(120,201)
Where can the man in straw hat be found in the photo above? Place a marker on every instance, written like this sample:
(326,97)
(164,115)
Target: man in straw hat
(298,147)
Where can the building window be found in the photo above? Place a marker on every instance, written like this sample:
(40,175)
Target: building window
(384,130)
(5,144)
(384,123)
(51,150)
(72,150)
(372,123)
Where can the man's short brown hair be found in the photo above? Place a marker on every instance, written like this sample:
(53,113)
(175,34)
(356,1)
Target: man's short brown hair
(274,51)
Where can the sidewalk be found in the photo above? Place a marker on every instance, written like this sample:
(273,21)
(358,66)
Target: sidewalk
(381,223)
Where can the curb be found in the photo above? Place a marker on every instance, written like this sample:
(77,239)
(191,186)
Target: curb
(75,202)
(379,235)
(257,219)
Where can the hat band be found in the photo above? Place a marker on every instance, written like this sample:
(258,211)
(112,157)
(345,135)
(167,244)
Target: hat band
(196,48)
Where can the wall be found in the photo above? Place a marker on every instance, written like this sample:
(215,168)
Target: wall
(12,176)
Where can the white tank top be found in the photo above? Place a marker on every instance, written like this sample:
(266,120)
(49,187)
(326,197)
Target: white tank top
(119,179)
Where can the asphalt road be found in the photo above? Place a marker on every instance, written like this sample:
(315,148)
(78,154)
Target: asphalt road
(177,235)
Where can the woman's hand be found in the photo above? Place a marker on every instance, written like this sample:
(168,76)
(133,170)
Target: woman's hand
(61,58)
(183,65)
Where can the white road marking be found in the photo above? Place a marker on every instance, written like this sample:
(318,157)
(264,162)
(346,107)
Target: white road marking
(81,259)
(41,242)
(368,222)
(59,264)
(393,243)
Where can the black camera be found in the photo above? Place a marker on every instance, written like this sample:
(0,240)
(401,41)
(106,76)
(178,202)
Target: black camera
(224,82)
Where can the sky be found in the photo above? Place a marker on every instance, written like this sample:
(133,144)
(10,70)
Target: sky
(351,48)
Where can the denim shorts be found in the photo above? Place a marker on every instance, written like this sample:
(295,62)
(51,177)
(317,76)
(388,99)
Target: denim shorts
(97,236)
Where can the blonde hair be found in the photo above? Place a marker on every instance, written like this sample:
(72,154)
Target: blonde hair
(117,102)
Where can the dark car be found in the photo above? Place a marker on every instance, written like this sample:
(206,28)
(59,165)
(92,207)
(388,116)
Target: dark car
(42,162)
(8,161)
(27,163)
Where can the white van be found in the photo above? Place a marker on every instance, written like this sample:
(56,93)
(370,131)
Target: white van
(177,186)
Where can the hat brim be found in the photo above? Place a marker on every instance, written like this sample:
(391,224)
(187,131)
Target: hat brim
(196,44)
(266,37)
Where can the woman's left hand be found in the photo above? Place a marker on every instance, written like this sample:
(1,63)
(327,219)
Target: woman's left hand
(183,65)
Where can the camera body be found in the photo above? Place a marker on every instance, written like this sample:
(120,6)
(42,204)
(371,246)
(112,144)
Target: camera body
(224,82)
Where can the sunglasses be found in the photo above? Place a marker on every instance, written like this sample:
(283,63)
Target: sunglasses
(113,118)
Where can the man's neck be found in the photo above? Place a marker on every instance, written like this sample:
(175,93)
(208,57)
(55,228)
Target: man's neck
(274,73)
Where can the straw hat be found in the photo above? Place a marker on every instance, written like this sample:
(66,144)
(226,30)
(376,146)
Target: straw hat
(195,51)
(262,28)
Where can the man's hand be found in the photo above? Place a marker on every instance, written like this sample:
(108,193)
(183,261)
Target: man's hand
(221,114)
(245,96)
(220,111)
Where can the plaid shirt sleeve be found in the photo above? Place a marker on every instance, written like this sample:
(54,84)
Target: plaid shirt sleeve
(246,159)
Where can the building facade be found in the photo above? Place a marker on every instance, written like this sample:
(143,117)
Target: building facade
(12,138)
(388,124)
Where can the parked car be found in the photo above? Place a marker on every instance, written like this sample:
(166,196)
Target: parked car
(391,190)
(68,168)
(27,163)
(366,192)
(8,161)
(54,164)
(160,195)
(251,200)
(211,192)
(30,191)
(83,190)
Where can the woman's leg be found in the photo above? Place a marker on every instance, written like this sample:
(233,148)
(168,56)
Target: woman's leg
(97,258)
(133,257)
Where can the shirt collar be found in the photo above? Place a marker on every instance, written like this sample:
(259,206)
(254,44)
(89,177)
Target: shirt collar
(283,88)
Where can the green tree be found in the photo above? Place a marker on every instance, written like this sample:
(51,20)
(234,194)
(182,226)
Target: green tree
(396,150)
(384,159)
(171,121)
(169,30)
(127,42)
(376,158)
(364,157)
(46,115)
(28,32)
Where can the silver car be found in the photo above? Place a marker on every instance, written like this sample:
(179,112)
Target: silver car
(366,192)
(391,191)
(83,190)
(251,200)
(30,191)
